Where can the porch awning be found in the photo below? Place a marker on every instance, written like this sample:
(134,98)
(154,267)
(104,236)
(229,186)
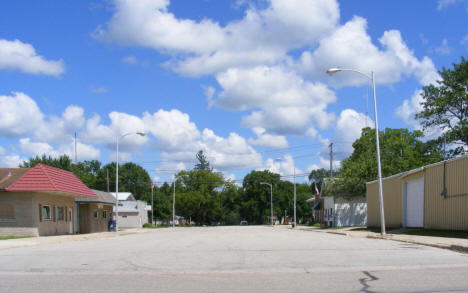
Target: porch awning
(316,206)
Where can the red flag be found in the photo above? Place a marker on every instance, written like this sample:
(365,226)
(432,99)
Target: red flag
(316,189)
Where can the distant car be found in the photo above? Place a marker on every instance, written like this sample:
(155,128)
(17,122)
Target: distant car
(244,223)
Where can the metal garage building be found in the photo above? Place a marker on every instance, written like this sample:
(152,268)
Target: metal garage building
(431,197)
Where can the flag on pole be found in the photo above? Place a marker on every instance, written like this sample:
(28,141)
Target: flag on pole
(316,189)
(152,184)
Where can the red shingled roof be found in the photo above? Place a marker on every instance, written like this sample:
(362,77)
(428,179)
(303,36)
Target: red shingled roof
(46,178)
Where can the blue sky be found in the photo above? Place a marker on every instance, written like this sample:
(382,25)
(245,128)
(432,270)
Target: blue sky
(243,80)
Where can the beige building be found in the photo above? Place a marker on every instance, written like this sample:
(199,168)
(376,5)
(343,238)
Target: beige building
(39,201)
(93,214)
(430,197)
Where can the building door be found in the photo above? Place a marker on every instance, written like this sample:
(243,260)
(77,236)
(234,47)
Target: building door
(70,216)
(415,203)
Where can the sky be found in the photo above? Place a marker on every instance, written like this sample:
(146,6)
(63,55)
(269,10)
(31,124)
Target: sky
(243,80)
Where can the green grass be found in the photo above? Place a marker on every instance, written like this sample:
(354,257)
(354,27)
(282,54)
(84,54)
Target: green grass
(369,229)
(149,226)
(437,233)
(13,237)
(338,227)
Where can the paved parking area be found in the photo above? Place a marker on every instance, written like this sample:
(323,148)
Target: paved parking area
(232,259)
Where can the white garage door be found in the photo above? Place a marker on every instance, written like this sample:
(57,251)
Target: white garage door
(415,203)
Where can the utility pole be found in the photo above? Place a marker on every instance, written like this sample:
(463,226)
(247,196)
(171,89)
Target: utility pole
(76,160)
(173,205)
(152,201)
(107,171)
(331,159)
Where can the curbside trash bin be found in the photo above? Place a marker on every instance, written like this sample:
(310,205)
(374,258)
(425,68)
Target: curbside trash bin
(111,225)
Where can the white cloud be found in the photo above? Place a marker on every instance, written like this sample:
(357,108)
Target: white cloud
(9,161)
(285,167)
(98,90)
(288,103)
(229,153)
(465,39)
(59,130)
(444,48)
(442,4)
(349,46)
(130,59)
(38,148)
(120,124)
(410,108)
(268,140)
(173,129)
(16,55)
(177,139)
(33,149)
(348,128)
(262,36)
(19,115)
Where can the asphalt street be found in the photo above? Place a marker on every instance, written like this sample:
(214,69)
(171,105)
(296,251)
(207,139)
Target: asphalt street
(232,259)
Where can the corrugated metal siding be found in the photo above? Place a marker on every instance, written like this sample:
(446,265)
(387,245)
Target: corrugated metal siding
(449,213)
(392,202)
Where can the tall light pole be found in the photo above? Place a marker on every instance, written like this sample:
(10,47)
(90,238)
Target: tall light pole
(271,201)
(152,202)
(173,204)
(117,177)
(294,178)
(332,71)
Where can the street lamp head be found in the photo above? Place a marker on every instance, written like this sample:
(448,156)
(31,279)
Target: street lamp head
(141,133)
(333,70)
(278,159)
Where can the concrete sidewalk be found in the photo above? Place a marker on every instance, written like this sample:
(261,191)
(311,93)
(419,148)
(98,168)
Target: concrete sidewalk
(456,244)
(44,240)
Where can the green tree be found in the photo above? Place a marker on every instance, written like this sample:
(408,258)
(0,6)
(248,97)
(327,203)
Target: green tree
(401,150)
(163,201)
(198,198)
(317,176)
(132,178)
(87,172)
(445,105)
(203,163)
(63,162)
(256,197)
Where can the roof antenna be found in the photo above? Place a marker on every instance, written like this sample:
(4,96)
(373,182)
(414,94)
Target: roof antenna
(76,160)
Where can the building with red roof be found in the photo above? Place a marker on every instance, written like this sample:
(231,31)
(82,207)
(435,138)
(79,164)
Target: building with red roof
(39,201)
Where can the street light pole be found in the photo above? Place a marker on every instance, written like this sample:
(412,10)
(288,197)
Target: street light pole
(152,202)
(271,201)
(332,71)
(173,205)
(117,178)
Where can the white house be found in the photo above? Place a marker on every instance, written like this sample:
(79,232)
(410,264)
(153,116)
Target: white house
(132,213)
(340,211)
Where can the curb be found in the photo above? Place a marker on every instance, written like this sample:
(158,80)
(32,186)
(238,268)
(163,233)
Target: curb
(454,247)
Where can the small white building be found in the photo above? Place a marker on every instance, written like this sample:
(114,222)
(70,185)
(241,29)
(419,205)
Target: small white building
(339,211)
(132,213)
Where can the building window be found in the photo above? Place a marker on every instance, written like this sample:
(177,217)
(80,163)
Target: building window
(46,214)
(59,213)
(7,212)
(104,214)
(95,214)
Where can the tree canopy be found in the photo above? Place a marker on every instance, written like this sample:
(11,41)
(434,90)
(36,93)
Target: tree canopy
(203,163)
(445,105)
(400,150)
